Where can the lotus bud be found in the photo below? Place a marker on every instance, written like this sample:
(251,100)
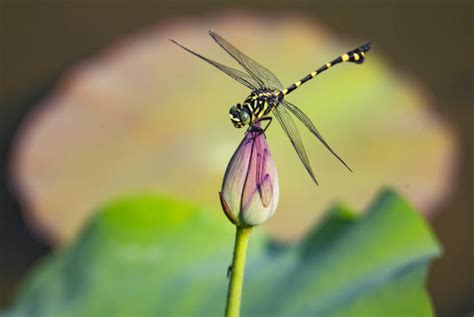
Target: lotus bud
(250,189)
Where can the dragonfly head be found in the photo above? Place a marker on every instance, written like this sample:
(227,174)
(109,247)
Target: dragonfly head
(239,116)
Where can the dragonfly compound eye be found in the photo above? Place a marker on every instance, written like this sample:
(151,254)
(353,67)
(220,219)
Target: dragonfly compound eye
(244,117)
(234,114)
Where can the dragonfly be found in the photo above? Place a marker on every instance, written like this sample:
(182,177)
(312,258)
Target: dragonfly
(267,96)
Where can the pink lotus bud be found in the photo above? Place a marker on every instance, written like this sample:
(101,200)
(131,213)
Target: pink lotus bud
(250,188)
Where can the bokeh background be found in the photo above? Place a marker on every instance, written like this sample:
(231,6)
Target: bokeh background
(56,55)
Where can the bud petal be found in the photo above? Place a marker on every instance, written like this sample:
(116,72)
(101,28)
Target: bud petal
(250,189)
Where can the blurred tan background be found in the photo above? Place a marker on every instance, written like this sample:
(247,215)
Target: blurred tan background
(41,41)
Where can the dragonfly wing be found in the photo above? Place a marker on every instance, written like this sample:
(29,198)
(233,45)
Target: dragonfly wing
(238,75)
(260,73)
(289,126)
(307,122)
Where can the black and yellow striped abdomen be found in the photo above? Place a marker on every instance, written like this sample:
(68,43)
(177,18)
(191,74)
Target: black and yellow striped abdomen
(355,56)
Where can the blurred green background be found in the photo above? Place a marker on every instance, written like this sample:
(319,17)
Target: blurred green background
(148,255)
(429,39)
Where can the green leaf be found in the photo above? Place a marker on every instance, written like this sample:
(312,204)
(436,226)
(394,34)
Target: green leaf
(152,256)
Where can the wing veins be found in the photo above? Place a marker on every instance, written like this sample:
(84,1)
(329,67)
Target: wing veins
(236,74)
(289,126)
(309,124)
(259,72)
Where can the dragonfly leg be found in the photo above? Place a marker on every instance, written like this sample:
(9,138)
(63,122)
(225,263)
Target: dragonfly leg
(259,129)
(269,119)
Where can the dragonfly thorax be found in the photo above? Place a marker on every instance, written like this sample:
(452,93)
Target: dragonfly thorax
(256,105)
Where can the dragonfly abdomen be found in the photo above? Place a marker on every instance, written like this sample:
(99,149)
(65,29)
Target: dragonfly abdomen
(356,56)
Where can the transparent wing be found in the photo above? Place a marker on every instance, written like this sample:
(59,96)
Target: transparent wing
(238,75)
(261,74)
(288,125)
(307,122)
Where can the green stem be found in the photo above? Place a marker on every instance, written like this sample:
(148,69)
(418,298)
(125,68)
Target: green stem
(237,274)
